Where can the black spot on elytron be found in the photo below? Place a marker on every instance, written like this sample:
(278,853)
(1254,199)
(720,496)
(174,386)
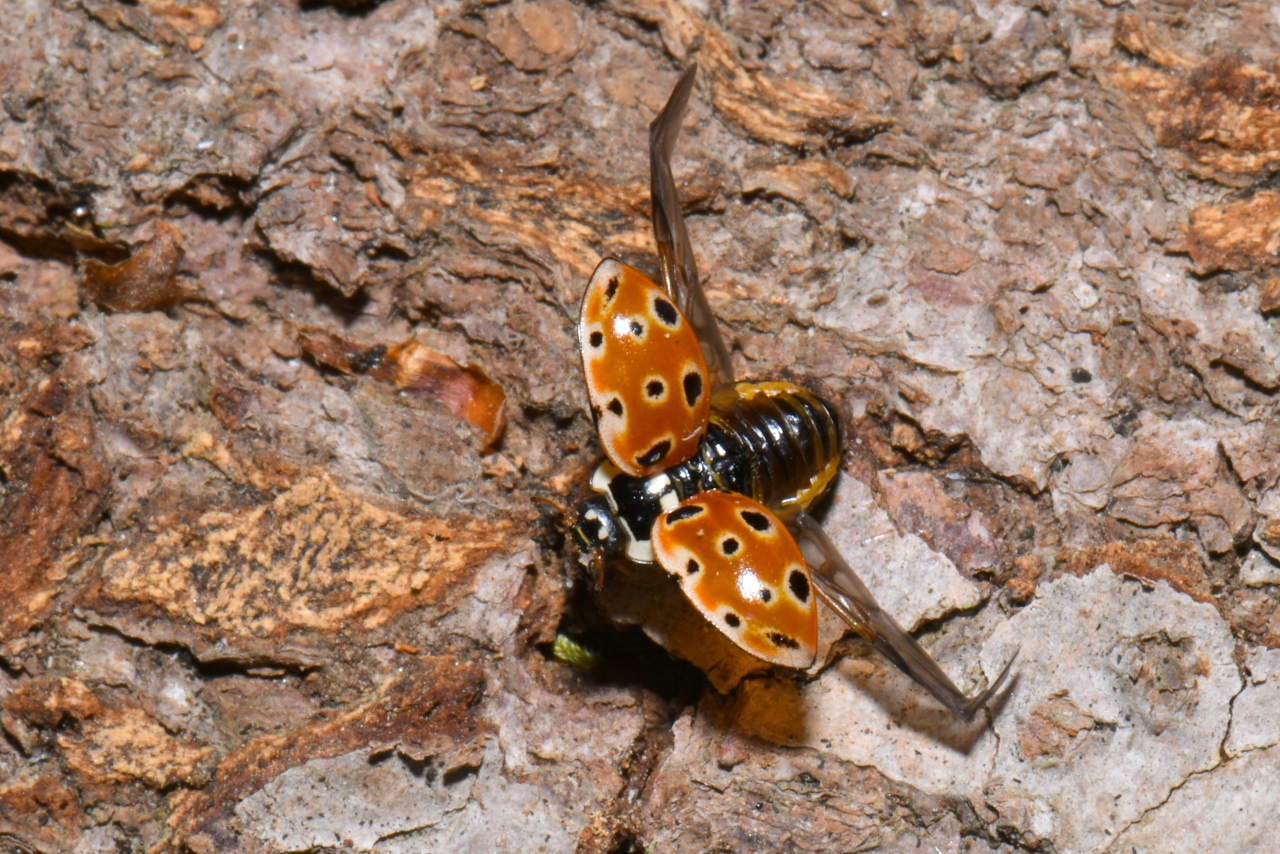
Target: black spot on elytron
(666,312)
(693,567)
(758,521)
(655,453)
(615,406)
(799,584)
(637,329)
(655,388)
(692,387)
(682,513)
(611,291)
(732,620)
(597,338)
(779,639)
(729,546)
(1081,375)
(765,595)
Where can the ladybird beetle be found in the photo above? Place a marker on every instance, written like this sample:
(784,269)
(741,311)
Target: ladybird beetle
(710,478)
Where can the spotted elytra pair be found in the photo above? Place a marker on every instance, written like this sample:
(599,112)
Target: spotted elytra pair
(713,479)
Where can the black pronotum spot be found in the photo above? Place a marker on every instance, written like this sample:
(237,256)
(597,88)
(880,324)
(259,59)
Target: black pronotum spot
(732,620)
(666,312)
(637,329)
(765,595)
(615,406)
(799,584)
(655,453)
(779,639)
(757,521)
(693,567)
(654,388)
(682,513)
(597,338)
(692,387)
(611,291)
(729,546)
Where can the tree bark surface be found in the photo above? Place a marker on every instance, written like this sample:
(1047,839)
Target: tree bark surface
(291,415)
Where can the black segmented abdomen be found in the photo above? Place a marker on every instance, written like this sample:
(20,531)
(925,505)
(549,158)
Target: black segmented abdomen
(776,442)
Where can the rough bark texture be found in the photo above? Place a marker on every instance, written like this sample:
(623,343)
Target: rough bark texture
(267,582)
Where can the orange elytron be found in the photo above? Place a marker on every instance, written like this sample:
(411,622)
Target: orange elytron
(743,571)
(713,479)
(646,376)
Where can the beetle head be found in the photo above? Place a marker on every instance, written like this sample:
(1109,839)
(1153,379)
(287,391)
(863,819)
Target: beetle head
(596,528)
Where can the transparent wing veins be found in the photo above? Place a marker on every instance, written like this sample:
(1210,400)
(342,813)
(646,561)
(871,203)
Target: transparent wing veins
(845,593)
(678,270)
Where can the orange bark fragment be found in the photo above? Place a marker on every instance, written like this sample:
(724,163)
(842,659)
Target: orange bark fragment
(146,281)
(411,367)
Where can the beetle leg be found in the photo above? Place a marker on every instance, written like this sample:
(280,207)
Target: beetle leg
(679,271)
(845,593)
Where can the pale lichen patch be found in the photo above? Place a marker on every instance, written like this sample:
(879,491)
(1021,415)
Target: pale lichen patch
(314,558)
(127,745)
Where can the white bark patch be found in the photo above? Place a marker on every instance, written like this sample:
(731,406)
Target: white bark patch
(1232,809)
(909,580)
(1122,692)
(1255,715)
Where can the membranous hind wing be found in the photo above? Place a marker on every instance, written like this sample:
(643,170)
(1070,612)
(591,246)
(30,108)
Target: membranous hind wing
(845,593)
(679,271)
